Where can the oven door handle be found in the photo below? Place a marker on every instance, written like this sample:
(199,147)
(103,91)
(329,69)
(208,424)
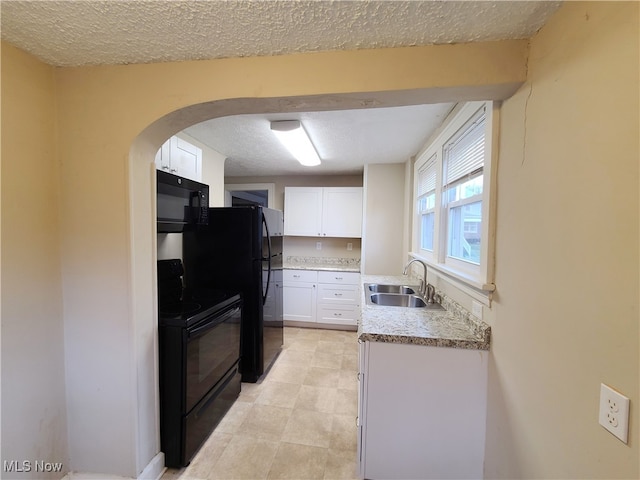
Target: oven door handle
(208,325)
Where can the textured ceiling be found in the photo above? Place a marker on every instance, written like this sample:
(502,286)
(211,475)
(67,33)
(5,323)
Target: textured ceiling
(345,140)
(94,32)
(72,33)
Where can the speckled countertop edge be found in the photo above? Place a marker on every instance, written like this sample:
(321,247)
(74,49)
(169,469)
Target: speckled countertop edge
(454,327)
(333,264)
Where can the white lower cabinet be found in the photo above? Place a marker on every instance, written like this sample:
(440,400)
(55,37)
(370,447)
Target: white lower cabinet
(421,412)
(299,295)
(322,297)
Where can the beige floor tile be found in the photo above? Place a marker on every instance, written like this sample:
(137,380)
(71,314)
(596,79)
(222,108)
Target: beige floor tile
(278,394)
(245,458)
(298,462)
(344,434)
(288,373)
(346,402)
(305,344)
(233,419)
(203,464)
(316,399)
(265,422)
(249,392)
(331,346)
(341,465)
(348,380)
(327,360)
(322,377)
(296,357)
(350,362)
(308,428)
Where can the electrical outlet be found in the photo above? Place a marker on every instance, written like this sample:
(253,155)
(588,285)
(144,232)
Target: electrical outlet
(476,309)
(318,245)
(614,412)
(349,246)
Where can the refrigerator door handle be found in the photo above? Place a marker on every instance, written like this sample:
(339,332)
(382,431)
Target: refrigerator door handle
(266,227)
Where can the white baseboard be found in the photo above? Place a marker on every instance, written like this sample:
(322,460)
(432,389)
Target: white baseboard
(153,471)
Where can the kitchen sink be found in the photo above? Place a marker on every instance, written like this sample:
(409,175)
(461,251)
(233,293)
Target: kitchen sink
(401,300)
(384,288)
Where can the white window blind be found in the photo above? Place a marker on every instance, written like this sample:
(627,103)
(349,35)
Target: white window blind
(427,176)
(464,154)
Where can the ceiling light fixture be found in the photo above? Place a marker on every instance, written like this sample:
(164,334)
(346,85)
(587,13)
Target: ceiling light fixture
(293,136)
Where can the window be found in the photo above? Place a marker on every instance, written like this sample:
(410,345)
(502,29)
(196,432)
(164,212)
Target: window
(463,185)
(453,176)
(427,202)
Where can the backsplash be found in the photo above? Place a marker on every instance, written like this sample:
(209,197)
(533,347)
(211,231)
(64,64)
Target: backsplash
(322,261)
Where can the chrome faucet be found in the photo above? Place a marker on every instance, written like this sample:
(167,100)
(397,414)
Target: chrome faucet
(426,290)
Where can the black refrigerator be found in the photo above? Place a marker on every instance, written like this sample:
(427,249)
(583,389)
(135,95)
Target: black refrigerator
(241,249)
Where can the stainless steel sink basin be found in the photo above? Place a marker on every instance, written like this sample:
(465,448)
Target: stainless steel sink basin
(402,300)
(384,288)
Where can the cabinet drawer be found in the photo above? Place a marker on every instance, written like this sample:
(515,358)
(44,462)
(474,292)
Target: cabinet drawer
(338,293)
(338,314)
(339,277)
(300,276)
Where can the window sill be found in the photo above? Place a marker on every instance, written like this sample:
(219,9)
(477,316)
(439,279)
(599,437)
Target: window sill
(477,289)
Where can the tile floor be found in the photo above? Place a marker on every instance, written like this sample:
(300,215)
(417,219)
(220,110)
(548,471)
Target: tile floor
(299,422)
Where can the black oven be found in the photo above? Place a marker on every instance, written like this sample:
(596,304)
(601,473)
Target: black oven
(199,353)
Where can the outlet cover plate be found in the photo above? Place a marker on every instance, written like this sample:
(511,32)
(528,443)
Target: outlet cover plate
(614,412)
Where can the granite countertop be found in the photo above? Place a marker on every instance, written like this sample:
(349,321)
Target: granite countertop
(454,327)
(332,264)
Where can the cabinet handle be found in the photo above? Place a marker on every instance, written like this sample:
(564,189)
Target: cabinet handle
(338,294)
(337,314)
(174,170)
(338,278)
(296,276)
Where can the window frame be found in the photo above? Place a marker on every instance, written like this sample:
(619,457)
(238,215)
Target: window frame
(479,277)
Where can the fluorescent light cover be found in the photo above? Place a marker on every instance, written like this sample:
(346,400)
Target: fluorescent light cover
(295,139)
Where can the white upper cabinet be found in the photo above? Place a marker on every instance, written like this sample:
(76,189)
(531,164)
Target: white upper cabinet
(180,158)
(323,211)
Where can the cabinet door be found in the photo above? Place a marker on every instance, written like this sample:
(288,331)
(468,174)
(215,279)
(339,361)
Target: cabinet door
(163,160)
(342,212)
(299,301)
(180,158)
(303,211)
(186,159)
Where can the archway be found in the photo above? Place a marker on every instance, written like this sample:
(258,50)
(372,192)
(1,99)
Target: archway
(142,209)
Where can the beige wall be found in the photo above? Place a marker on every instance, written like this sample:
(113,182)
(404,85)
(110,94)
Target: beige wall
(566,309)
(578,111)
(34,408)
(384,222)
